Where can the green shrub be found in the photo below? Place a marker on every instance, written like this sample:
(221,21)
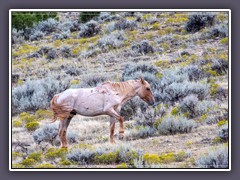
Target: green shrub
(17,123)
(180,156)
(86,16)
(156,26)
(109,158)
(55,153)
(45,166)
(167,158)
(32,126)
(36,156)
(41,114)
(224,40)
(121,166)
(65,162)
(151,158)
(29,162)
(26,117)
(17,165)
(175,111)
(222,122)
(22,20)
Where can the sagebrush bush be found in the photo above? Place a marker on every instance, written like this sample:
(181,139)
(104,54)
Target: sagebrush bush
(175,124)
(189,105)
(49,133)
(177,91)
(48,26)
(90,53)
(93,80)
(61,36)
(122,24)
(89,29)
(102,155)
(106,16)
(141,132)
(219,30)
(143,47)
(17,36)
(199,20)
(66,51)
(223,132)
(37,94)
(111,41)
(220,66)
(192,107)
(36,36)
(215,158)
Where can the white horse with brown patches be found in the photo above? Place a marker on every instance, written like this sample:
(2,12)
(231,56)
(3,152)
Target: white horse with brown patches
(106,99)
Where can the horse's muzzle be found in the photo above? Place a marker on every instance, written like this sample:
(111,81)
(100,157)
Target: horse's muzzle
(151,103)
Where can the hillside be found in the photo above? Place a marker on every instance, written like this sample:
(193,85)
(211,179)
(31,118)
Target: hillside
(183,56)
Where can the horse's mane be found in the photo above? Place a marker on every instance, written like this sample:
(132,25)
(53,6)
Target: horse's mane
(121,87)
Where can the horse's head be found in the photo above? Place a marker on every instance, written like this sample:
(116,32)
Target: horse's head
(145,93)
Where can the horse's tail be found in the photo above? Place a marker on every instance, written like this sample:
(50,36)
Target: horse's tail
(60,111)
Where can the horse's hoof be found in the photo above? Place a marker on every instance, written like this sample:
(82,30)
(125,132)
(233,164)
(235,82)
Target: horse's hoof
(112,142)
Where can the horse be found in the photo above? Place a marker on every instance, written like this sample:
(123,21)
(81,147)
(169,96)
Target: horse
(105,99)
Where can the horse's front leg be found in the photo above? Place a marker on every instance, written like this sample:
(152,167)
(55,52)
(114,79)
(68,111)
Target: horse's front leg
(112,127)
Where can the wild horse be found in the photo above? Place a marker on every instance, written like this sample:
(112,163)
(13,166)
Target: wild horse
(106,99)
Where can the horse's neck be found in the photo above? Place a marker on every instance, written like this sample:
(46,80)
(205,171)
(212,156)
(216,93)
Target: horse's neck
(131,93)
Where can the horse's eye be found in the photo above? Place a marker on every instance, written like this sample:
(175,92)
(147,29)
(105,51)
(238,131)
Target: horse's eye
(148,89)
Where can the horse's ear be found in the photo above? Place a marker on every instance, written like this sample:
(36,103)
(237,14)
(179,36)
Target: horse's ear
(142,80)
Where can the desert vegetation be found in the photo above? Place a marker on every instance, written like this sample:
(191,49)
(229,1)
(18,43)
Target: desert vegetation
(183,56)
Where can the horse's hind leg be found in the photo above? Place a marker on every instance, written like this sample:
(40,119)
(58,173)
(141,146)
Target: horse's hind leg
(62,131)
(112,127)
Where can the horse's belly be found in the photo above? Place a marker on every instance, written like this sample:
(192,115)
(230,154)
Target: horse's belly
(90,106)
